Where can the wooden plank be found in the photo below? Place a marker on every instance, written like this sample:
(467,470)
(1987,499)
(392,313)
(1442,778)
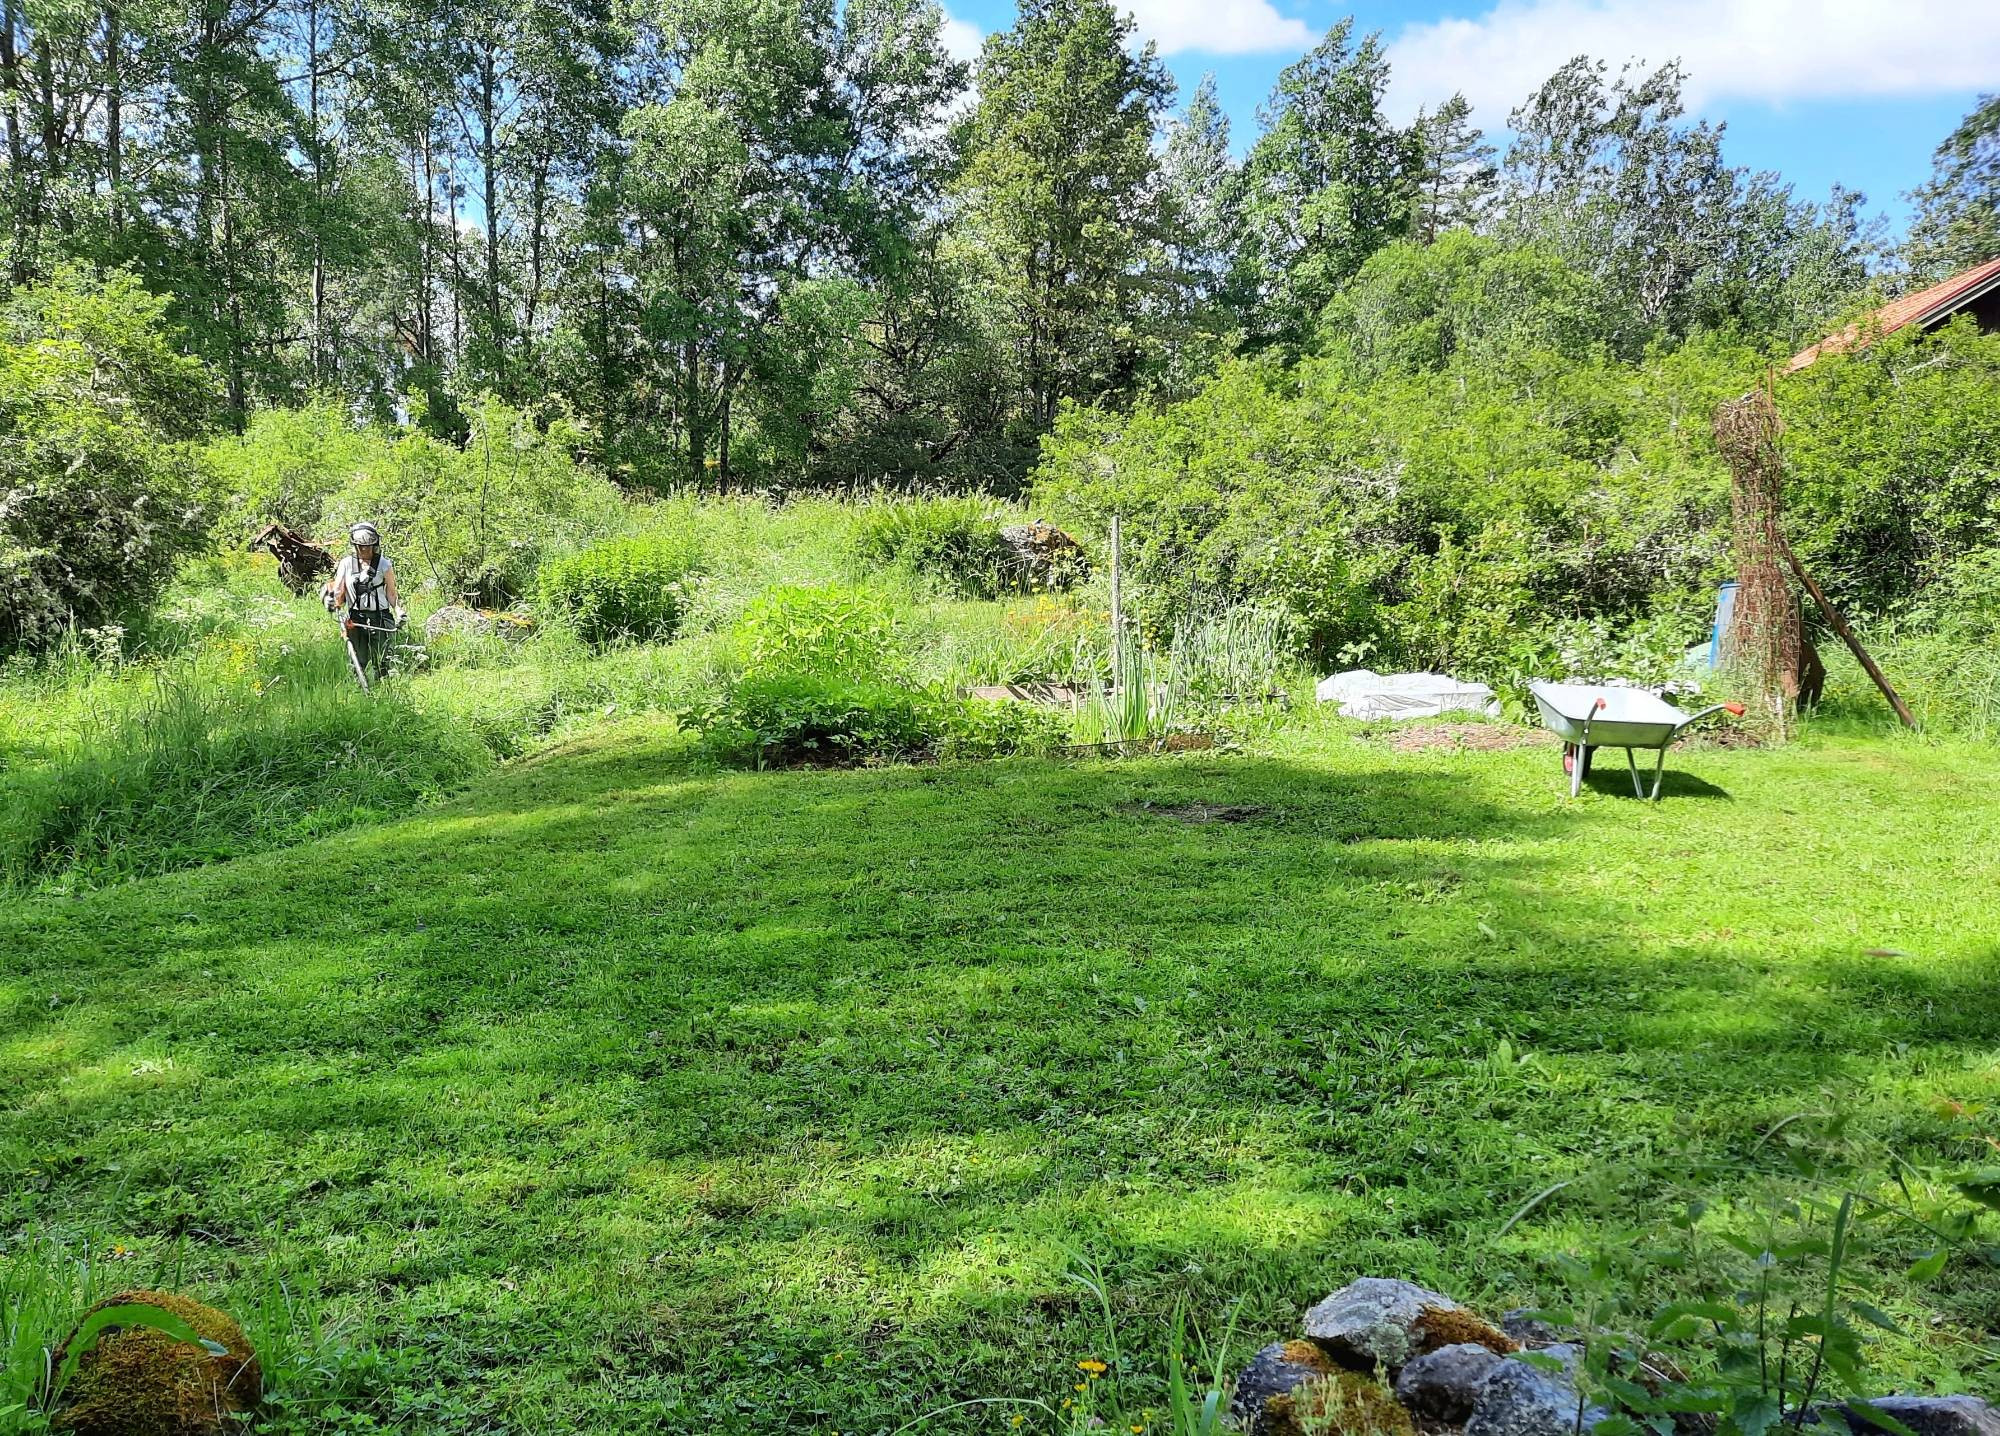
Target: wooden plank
(1840,627)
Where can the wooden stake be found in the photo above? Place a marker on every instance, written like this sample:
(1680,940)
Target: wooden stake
(1847,635)
(1117,606)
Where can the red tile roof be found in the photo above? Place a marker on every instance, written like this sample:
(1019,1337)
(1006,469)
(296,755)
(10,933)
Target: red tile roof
(1923,307)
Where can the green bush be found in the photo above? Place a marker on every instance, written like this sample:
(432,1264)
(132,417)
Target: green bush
(828,631)
(785,719)
(623,588)
(475,523)
(954,540)
(778,719)
(288,464)
(100,482)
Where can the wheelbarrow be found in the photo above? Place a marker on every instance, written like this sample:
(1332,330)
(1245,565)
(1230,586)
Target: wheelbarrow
(1588,717)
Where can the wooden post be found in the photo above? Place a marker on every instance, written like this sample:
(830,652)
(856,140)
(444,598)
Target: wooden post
(1833,616)
(1117,605)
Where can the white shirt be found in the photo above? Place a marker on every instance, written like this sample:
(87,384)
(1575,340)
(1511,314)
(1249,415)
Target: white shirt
(364,586)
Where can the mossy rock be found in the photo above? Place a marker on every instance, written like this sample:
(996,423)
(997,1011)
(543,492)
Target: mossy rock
(1439,1327)
(1344,1404)
(140,1382)
(1276,1370)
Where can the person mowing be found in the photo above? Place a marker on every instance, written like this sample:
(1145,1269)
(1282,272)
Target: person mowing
(365,582)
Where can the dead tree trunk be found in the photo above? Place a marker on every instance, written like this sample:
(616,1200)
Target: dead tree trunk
(1764,642)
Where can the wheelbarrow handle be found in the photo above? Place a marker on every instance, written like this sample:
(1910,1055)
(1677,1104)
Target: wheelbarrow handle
(1735,710)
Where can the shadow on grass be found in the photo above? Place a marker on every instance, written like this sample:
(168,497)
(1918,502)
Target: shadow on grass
(616,1057)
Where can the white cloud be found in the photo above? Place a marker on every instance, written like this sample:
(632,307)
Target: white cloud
(962,39)
(1219,27)
(1761,50)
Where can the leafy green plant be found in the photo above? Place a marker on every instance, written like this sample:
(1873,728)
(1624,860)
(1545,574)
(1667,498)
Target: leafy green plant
(953,539)
(827,631)
(625,588)
(1778,1292)
(787,718)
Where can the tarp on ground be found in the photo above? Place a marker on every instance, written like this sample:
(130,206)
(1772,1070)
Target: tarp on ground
(1364,693)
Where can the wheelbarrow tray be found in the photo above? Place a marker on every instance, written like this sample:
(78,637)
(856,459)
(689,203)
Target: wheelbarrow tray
(1630,717)
(1588,717)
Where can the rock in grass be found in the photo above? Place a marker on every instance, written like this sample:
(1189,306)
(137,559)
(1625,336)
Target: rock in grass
(1442,1386)
(1277,1370)
(136,1381)
(1344,1404)
(1519,1400)
(1929,1415)
(1526,1329)
(1375,1321)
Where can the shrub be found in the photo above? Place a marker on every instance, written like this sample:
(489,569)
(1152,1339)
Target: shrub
(623,588)
(954,540)
(776,719)
(288,464)
(782,719)
(829,631)
(100,484)
(475,523)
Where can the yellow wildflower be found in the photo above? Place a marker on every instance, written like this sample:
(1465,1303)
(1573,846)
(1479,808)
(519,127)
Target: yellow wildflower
(1093,1366)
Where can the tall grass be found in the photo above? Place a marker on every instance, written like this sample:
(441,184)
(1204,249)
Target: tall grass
(209,765)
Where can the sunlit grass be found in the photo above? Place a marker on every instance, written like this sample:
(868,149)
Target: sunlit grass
(621,1092)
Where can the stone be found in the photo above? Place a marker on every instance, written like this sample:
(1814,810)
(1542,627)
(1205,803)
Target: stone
(137,1381)
(1344,1404)
(1519,1400)
(1375,1321)
(1930,1415)
(1277,1370)
(1442,1386)
(1526,1329)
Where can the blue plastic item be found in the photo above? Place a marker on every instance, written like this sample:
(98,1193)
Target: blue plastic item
(1725,609)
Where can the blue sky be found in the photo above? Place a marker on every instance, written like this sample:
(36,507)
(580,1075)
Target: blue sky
(1854,91)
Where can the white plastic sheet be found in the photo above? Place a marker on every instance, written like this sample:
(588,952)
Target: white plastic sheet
(1364,693)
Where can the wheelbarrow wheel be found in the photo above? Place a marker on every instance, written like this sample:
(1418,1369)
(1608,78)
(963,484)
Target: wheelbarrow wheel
(1574,753)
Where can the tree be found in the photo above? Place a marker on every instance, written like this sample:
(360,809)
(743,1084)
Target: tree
(1958,212)
(1059,185)
(1603,172)
(1195,297)
(790,151)
(1328,183)
(1458,176)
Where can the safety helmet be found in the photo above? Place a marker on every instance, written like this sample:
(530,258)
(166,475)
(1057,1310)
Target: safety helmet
(363,535)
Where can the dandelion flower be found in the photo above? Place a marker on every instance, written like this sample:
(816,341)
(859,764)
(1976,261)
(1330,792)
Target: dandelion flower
(1093,1366)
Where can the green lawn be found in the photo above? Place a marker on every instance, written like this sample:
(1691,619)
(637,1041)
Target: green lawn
(624,1095)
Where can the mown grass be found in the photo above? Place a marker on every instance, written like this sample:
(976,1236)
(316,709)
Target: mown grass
(621,1094)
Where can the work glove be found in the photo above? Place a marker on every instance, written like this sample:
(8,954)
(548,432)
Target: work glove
(402,615)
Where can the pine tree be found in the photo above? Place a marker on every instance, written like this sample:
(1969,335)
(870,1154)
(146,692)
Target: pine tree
(1459,174)
(1059,183)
